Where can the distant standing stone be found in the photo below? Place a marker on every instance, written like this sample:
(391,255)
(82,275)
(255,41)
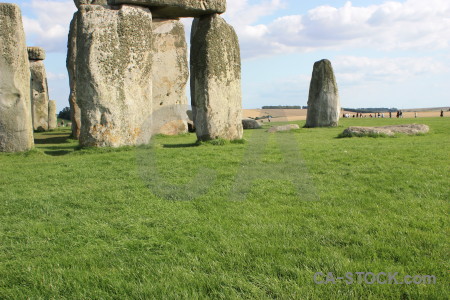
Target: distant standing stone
(51,114)
(16,129)
(323,101)
(75,113)
(216,79)
(39,89)
(170,76)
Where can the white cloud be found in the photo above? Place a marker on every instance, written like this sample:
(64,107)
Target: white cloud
(413,24)
(56,76)
(49,25)
(355,70)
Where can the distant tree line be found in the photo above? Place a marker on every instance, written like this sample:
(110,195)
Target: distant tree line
(64,114)
(284,107)
(371,109)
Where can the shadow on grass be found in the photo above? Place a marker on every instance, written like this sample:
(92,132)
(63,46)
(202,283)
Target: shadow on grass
(54,143)
(52,140)
(58,152)
(180,145)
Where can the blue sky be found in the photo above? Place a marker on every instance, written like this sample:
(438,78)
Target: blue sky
(384,53)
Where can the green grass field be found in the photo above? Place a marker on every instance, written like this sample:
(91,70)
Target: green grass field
(240,220)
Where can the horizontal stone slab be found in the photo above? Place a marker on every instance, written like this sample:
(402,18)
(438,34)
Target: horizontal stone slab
(283,128)
(36,53)
(89,2)
(177,8)
(409,129)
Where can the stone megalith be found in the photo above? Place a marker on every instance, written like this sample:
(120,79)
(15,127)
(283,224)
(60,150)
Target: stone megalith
(216,79)
(75,113)
(78,3)
(16,128)
(39,89)
(177,8)
(323,101)
(113,74)
(170,73)
(51,115)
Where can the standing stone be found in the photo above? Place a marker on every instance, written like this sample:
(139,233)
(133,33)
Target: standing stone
(323,101)
(177,8)
(16,129)
(170,74)
(75,113)
(51,114)
(216,79)
(113,74)
(39,89)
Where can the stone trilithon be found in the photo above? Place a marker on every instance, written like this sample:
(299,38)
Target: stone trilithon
(127,60)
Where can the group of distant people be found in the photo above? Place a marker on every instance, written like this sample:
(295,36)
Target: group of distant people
(360,115)
(399,114)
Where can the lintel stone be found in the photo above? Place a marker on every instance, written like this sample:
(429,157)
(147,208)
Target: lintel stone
(177,8)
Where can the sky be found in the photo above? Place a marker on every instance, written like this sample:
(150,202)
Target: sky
(384,53)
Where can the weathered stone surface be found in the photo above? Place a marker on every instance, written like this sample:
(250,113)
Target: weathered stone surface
(113,74)
(170,73)
(409,129)
(39,95)
(51,114)
(216,79)
(323,102)
(250,124)
(178,8)
(75,113)
(283,128)
(36,53)
(16,129)
(87,2)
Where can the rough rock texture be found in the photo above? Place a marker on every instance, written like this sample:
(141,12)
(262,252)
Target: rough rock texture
(170,73)
(216,79)
(75,113)
(283,128)
(16,129)
(84,2)
(51,114)
(178,8)
(39,95)
(390,130)
(113,74)
(250,124)
(36,53)
(323,102)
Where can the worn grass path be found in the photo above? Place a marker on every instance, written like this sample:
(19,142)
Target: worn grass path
(79,224)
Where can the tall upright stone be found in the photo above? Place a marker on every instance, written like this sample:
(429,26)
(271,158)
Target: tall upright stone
(113,74)
(16,129)
(216,79)
(176,8)
(323,102)
(75,113)
(170,75)
(39,89)
(52,115)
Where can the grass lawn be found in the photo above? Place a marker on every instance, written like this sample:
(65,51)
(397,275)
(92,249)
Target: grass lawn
(240,220)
